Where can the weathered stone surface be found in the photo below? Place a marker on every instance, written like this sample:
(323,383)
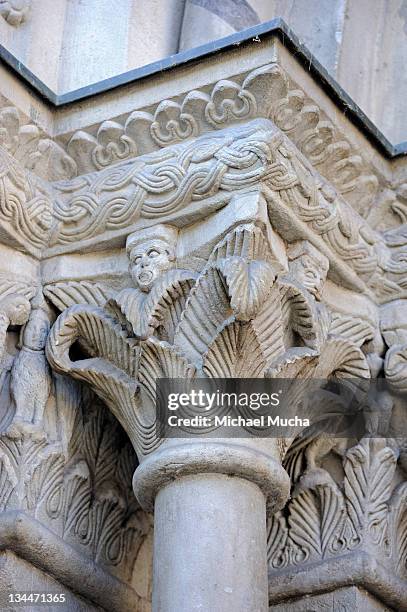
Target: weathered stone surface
(350,598)
(220,227)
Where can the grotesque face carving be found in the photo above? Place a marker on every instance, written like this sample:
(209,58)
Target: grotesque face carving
(148,260)
(309,267)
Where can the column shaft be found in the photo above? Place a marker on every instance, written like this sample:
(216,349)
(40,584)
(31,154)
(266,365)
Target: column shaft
(210,546)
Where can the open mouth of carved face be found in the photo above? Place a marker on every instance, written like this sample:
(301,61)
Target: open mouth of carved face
(145,277)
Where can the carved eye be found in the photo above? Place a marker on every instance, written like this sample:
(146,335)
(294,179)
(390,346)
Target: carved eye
(153,253)
(137,259)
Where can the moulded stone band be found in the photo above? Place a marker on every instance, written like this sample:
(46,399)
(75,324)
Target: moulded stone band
(168,464)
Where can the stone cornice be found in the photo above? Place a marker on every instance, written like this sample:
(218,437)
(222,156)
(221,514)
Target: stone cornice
(184,183)
(187,182)
(360,569)
(274,28)
(33,542)
(272,84)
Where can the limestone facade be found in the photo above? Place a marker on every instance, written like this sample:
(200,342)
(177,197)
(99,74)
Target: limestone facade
(222,219)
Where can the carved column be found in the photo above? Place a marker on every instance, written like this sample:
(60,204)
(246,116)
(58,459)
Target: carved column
(202,491)
(238,228)
(224,298)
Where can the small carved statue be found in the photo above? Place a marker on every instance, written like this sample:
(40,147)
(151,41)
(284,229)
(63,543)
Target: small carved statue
(152,267)
(14,311)
(308,266)
(301,290)
(30,376)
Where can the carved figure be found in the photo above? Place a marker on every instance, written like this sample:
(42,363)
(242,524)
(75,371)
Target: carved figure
(308,266)
(30,376)
(153,270)
(14,310)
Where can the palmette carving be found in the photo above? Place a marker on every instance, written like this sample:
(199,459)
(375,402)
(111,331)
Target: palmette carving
(79,484)
(254,155)
(173,181)
(217,333)
(265,92)
(324,519)
(236,314)
(66,294)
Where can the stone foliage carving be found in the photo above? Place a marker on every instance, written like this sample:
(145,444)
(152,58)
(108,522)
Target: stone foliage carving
(66,294)
(78,484)
(325,518)
(157,283)
(232,324)
(63,459)
(265,92)
(15,12)
(228,311)
(175,180)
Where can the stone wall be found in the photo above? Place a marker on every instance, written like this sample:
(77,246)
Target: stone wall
(71,43)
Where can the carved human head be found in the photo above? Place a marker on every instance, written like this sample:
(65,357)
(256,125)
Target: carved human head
(36,330)
(151,252)
(309,266)
(17,308)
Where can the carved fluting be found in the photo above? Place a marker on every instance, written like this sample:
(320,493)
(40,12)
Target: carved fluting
(111,370)
(15,12)
(265,92)
(325,519)
(78,484)
(66,294)
(32,148)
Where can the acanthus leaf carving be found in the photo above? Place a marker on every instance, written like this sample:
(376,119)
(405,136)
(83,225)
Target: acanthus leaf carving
(217,330)
(326,519)
(66,294)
